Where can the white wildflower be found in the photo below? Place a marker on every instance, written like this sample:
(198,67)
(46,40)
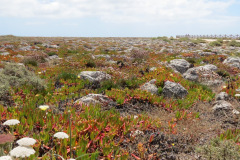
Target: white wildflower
(71,159)
(60,135)
(22,152)
(237,95)
(26,141)
(43,107)
(11,122)
(5,158)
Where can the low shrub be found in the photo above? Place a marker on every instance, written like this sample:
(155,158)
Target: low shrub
(131,83)
(223,73)
(160,90)
(191,60)
(51,53)
(90,64)
(220,150)
(107,85)
(184,39)
(165,39)
(234,43)
(66,76)
(215,43)
(139,55)
(14,75)
(72,51)
(197,41)
(30,62)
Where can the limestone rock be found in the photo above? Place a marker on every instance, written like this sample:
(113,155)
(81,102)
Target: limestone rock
(94,99)
(222,105)
(94,76)
(150,87)
(222,96)
(204,75)
(172,89)
(181,65)
(232,62)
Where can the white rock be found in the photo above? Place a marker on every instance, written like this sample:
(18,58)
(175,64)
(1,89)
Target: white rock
(232,62)
(222,105)
(94,76)
(150,87)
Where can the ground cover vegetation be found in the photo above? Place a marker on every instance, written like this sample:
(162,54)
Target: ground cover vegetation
(119,98)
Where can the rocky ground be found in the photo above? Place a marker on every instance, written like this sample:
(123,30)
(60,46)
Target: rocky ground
(186,92)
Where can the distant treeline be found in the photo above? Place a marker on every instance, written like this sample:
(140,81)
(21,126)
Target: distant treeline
(210,36)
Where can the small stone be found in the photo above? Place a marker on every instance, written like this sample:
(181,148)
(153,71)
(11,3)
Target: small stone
(150,87)
(222,96)
(222,105)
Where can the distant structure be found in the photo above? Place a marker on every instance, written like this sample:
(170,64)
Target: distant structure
(209,36)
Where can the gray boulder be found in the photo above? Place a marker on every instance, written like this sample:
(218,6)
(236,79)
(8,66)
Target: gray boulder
(210,67)
(94,76)
(222,96)
(204,75)
(232,62)
(172,89)
(222,105)
(181,65)
(150,87)
(94,99)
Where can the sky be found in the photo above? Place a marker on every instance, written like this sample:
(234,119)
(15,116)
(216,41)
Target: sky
(118,18)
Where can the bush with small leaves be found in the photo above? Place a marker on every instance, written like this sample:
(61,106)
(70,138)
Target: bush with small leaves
(16,75)
(220,150)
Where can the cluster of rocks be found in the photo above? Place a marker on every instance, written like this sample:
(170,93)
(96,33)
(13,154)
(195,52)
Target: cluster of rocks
(203,74)
(223,103)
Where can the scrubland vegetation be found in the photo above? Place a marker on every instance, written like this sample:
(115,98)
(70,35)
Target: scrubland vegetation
(153,98)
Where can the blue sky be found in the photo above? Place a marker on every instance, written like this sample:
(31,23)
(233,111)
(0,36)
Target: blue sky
(113,18)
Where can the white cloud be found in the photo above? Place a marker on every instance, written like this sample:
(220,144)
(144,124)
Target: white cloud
(117,11)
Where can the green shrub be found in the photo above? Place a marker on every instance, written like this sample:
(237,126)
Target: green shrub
(66,76)
(184,39)
(160,90)
(191,60)
(220,150)
(165,39)
(107,85)
(90,64)
(207,50)
(51,53)
(215,43)
(131,83)
(223,73)
(72,51)
(14,75)
(234,43)
(30,62)
(197,41)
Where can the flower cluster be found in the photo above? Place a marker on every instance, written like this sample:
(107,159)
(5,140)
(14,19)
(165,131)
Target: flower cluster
(22,152)
(11,122)
(60,135)
(24,149)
